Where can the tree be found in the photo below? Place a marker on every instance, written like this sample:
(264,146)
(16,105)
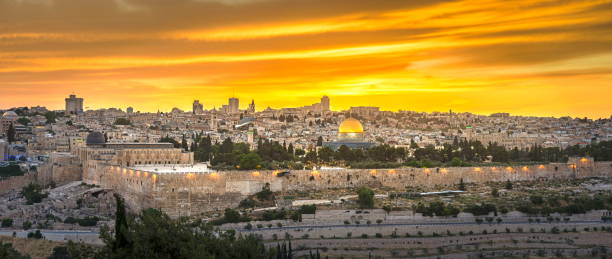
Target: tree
(461,185)
(495,192)
(7,251)
(250,161)
(122,121)
(320,141)
(231,216)
(508,185)
(365,198)
(51,117)
(153,234)
(121,240)
(184,145)
(325,154)
(7,223)
(33,193)
(23,121)
(10,133)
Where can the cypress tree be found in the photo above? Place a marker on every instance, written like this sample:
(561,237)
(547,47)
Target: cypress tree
(10,133)
(121,225)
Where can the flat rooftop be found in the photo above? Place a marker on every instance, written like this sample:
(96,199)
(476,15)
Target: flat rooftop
(173,168)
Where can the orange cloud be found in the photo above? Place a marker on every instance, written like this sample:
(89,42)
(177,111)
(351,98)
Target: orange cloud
(523,57)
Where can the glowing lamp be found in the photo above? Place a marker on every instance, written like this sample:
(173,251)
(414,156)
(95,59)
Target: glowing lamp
(391,171)
(443,170)
(256,174)
(373,172)
(477,169)
(509,169)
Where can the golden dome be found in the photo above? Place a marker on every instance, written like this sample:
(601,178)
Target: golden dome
(350,125)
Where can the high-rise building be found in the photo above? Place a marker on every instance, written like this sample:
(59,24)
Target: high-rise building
(198,108)
(233,105)
(74,105)
(324,103)
(252,107)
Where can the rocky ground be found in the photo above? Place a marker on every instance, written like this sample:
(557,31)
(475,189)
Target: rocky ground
(74,201)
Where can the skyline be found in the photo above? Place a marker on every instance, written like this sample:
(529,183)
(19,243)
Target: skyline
(245,105)
(532,58)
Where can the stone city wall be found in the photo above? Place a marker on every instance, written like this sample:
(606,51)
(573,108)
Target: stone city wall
(186,194)
(16,182)
(61,169)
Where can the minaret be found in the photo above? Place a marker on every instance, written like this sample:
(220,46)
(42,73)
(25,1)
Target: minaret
(252,106)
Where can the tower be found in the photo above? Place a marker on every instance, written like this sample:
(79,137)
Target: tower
(233,105)
(197,108)
(324,103)
(74,105)
(252,107)
(212,123)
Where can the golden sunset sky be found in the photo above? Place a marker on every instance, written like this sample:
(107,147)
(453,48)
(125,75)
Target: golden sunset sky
(536,57)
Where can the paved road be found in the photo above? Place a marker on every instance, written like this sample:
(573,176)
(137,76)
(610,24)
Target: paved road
(85,236)
(583,222)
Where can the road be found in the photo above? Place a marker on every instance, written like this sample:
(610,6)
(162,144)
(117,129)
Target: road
(85,236)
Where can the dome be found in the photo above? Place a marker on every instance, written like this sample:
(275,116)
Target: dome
(95,138)
(350,125)
(10,115)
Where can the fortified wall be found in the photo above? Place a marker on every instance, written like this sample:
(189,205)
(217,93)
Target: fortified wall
(16,182)
(187,194)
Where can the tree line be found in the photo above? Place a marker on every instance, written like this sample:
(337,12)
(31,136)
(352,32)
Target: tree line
(269,154)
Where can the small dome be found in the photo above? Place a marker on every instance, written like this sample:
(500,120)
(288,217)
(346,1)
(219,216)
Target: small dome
(350,125)
(95,138)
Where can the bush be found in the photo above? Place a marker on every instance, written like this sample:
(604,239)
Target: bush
(27,225)
(35,235)
(84,222)
(7,223)
(247,203)
(365,198)
(10,170)
(379,235)
(308,209)
(483,209)
(32,193)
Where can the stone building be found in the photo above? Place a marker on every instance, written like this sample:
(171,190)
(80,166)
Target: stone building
(74,105)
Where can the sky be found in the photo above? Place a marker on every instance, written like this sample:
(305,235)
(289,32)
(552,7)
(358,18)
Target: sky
(536,57)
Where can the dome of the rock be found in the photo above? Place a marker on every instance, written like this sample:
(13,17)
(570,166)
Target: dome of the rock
(350,125)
